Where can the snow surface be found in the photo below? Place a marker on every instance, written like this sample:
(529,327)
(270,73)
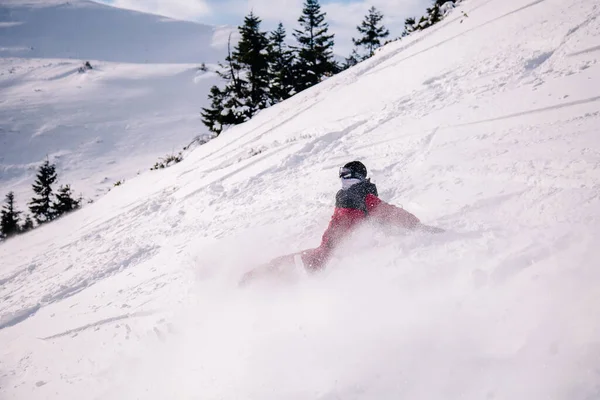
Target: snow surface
(108,123)
(488,128)
(99,127)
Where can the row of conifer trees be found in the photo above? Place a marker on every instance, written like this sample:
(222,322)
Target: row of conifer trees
(263,69)
(45,206)
(432,16)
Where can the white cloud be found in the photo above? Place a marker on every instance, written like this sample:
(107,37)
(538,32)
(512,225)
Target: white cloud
(190,10)
(222,35)
(342,16)
(286,11)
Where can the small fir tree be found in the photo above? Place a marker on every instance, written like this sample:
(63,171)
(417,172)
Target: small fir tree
(9,218)
(233,112)
(372,32)
(315,51)
(27,224)
(409,26)
(434,15)
(281,66)
(64,203)
(423,23)
(212,116)
(352,60)
(246,76)
(41,205)
(251,53)
(225,108)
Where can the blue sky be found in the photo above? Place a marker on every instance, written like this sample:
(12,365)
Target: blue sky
(343,15)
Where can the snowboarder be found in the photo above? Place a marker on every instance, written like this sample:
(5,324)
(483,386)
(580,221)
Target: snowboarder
(356,202)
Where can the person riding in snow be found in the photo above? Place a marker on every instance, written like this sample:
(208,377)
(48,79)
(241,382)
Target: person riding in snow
(355,203)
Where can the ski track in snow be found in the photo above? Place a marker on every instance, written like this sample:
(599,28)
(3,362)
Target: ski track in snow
(487,127)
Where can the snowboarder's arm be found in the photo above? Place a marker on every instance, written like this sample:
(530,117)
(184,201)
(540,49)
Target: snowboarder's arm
(390,213)
(396,215)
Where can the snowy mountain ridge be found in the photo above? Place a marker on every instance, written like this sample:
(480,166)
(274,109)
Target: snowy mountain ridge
(486,127)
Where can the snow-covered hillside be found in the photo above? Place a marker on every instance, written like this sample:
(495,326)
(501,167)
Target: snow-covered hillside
(486,125)
(99,127)
(108,123)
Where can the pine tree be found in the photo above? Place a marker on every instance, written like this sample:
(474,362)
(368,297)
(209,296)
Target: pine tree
(440,3)
(246,76)
(64,202)
(281,66)
(352,60)
(9,219)
(372,32)
(409,26)
(251,53)
(315,53)
(233,112)
(41,206)
(225,106)
(423,22)
(212,116)
(27,225)
(434,14)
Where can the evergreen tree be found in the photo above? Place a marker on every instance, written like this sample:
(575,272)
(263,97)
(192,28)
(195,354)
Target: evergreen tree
(352,60)
(281,66)
(41,206)
(423,22)
(212,116)
(409,26)
(233,112)
(246,76)
(225,106)
(372,32)
(251,53)
(64,202)
(9,219)
(434,15)
(440,3)
(315,53)
(27,225)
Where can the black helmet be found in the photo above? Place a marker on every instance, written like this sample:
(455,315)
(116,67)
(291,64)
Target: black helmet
(354,169)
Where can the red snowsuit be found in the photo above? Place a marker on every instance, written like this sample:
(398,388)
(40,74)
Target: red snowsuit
(353,205)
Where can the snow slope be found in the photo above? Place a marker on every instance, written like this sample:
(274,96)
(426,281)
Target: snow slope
(99,127)
(111,122)
(487,127)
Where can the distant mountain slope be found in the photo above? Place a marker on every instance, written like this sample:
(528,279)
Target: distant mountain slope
(141,100)
(100,126)
(83,29)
